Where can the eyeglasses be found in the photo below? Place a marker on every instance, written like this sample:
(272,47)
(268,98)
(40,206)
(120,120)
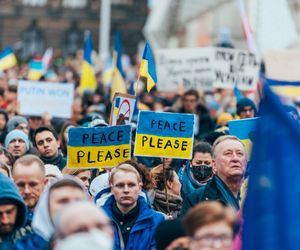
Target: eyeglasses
(122,186)
(210,240)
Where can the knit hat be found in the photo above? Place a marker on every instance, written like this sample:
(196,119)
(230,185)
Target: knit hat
(53,170)
(224,118)
(99,183)
(168,231)
(16,133)
(244,102)
(15,122)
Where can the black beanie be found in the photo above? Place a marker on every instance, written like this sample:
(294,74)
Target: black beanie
(168,231)
(244,103)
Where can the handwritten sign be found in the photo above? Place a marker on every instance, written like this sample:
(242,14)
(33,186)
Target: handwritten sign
(244,129)
(122,109)
(164,135)
(187,67)
(233,66)
(36,98)
(98,147)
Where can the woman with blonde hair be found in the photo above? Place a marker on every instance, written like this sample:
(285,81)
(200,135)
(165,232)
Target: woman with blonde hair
(84,175)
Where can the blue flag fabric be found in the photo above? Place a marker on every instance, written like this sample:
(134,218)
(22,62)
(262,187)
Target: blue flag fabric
(272,206)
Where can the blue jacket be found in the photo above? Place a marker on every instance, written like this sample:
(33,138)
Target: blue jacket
(9,194)
(31,241)
(141,236)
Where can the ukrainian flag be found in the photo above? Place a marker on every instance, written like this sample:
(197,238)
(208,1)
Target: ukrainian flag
(36,69)
(286,88)
(147,68)
(88,79)
(118,83)
(7,59)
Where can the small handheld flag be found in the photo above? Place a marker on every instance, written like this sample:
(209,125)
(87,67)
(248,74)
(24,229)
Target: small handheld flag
(7,59)
(147,68)
(118,83)
(88,79)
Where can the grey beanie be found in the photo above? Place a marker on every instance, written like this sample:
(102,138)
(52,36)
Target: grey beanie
(15,122)
(16,133)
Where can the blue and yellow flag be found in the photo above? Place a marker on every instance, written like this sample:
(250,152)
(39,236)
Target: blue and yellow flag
(36,69)
(272,205)
(147,68)
(7,59)
(284,87)
(118,83)
(88,79)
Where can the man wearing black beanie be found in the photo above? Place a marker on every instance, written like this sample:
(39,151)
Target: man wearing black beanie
(245,108)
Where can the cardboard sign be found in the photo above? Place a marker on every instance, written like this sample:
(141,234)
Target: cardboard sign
(244,129)
(98,147)
(187,67)
(283,64)
(162,134)
(232,66)
(36,98)
(122,109)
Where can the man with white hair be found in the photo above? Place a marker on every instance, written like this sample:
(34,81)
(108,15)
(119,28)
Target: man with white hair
(229,163)
(90,230)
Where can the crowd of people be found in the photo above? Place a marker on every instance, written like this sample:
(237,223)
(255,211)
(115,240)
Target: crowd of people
(143,203)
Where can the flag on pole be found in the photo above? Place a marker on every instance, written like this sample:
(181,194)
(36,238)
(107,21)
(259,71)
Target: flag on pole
(118,83)
(46,60)
(147,68)
(88,79)
(7,59)
(248,33)
(36,69)
(271,210)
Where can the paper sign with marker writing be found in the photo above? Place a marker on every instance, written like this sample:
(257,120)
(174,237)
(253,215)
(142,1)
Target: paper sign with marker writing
(162,134)
(233,66)
(98,147)
(184,67)
(36,98)
(244,129)
(122,109)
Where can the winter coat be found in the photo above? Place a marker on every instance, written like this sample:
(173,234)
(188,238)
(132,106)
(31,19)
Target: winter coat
(160,203)
(141,236)
(215,189)
(9,194)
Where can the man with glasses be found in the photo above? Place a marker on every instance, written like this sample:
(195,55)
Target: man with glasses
(134,222)
(28,173)
(245,108)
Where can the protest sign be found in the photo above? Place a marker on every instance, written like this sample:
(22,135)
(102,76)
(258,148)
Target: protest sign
(122,109)
(164,135)
(283,65)
(36,98)
(98,147)
(244,129)
(235,67)
(187,67)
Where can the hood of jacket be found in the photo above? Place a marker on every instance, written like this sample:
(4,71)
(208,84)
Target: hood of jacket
(9,191)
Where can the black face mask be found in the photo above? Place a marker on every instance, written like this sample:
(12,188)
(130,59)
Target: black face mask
(202,172)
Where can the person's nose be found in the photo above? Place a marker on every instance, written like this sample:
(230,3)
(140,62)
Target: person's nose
(4,219)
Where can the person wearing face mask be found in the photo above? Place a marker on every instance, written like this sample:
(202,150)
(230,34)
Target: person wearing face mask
(198,171)
(91,230)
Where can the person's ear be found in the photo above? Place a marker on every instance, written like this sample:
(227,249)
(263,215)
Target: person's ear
(45,181)
(214,166)
(169,184)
